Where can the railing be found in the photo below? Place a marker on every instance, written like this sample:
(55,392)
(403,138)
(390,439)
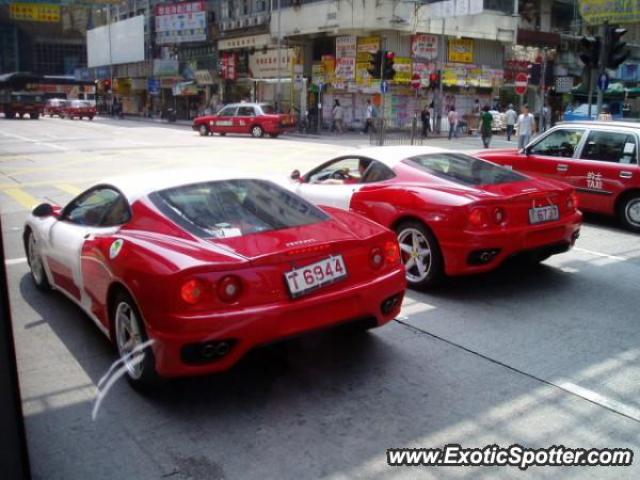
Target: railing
(380,134)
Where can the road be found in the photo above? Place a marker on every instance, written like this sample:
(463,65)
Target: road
(548,356)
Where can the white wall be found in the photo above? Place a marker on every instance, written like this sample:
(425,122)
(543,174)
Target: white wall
(127,43)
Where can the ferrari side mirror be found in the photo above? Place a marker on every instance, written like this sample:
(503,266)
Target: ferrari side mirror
(295,175)
(43,210)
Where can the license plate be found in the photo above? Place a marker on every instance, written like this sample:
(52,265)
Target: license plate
(302,281)
(543,214)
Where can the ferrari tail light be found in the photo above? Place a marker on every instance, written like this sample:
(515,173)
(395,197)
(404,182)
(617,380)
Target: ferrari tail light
(376,258)
(192,291)
(229,288)
(478,218)
(499,215)
(392,252)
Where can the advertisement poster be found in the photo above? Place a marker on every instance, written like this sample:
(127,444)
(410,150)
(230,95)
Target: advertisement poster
(367,46)
(461,50)
(345,69)
(329,67)
(596,12)
(346,46)
(317,74)
(424,47)
(34,12)
(402,66)
(181,22)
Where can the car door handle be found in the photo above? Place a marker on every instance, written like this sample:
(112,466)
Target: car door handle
(562,167)
(626,175)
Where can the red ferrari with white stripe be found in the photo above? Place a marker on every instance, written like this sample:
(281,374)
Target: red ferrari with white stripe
(185,272)
(454,214)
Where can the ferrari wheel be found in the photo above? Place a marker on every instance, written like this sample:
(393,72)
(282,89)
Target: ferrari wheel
(257,131)
(38,273)
(630,212)
(420,254)
(203,130)
(130,340)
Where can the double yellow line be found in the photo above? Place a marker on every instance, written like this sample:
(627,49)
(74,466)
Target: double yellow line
(28,201)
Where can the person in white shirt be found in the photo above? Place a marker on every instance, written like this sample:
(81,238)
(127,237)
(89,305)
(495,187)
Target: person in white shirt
(510,117)
(338,116)
(526,126)
(453,123)
(371,114)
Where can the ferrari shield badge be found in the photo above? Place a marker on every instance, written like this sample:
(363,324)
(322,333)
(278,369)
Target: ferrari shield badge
(115,248)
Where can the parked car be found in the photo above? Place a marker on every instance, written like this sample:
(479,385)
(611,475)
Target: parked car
(255,119)
(56,106)
(79,109)
(598,159)
(454,214)
(581,112)
(187,271)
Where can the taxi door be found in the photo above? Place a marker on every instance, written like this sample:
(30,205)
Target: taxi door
(244,118)
(551,156)
(223,121)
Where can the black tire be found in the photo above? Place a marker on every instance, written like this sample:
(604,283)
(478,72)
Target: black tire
(9,115)
(434,271)
(203,130)
(91,118)
(257,131)
(222,134)
(629,212)
(36,265)
(34,116)
(146,376)
(274,135)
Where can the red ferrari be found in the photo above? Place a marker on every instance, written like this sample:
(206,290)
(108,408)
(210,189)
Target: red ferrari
(454,214)
(185,272)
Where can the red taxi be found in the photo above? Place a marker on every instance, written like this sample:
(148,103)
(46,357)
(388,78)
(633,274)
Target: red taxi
(255,119)
(55,106)
(79,109)
(598,159)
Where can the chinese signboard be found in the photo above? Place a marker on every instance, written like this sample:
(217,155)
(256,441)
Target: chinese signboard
(346,46)
(253,41)
(424,47)
(230,66)
(34,12)
(345,69)
(596,12)
(471,76)
(181,22)
(265,64)
(402,66)
(329,67)
(366,47)
(165,67)
(461,50)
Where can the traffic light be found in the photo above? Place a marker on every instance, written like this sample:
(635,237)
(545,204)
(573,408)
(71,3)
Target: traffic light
(535,73)
(388,71)
(434,80)
(616,52)
(375,64)
(590,51)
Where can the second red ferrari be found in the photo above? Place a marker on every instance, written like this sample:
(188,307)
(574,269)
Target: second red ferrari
(454,214)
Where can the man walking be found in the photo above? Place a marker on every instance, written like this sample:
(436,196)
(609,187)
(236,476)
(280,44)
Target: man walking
(338,116)
(486,126)
(370,115)
(526,126)
(453,123)
(425,118)
(510,117)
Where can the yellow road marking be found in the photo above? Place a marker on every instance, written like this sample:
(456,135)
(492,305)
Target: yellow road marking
(66,187)
(22,197)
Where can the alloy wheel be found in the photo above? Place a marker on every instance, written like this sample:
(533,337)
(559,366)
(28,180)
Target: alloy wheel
(416,254)
(129,338)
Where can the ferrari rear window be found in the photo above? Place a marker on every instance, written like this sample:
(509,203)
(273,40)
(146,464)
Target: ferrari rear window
(464,169)
(233,208)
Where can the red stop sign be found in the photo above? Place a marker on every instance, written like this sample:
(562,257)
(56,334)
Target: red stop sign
(415,81)
(521,82)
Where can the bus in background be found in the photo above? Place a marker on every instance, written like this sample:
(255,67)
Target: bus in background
(21,96)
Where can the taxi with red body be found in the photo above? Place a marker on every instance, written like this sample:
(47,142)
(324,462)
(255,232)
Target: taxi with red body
(80,109)
(56,106)
(598,159)
(255,119)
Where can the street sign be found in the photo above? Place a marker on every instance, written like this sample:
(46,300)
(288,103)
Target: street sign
(384,86)
(415,81)
(603,82)
(521,82)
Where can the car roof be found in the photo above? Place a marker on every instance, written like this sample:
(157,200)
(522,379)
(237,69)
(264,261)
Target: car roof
(599,124)
(245,104)
(137,186)
(392,155)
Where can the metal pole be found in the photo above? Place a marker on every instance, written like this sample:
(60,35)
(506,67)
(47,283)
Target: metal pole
(382,106)
(590,85)
(440,92)
(542,90)
(279,41)
(110,106)
(604,46)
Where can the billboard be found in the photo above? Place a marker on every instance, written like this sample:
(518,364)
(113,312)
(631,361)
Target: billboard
(181,22)
(596,12)
(120,42)
(34,12)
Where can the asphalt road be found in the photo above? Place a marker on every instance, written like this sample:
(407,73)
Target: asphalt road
(548,356)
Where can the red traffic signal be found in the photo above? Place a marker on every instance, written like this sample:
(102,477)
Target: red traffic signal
(388,72)
(434,79)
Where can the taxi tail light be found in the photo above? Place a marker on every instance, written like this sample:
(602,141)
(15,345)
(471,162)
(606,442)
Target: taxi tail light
(572,201)
(478,218)
(193,291)
(229,288)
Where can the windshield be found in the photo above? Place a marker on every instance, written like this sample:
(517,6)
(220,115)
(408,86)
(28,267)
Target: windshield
(464,169)
(233,208)
(267,109)
(80,104)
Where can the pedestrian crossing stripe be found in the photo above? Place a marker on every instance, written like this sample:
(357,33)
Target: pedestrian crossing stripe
(72,189)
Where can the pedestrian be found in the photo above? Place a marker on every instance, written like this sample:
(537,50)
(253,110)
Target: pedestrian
(453,122)
(370,115)
(546,118)
(486,126)
(510,117)
(425,117)
(605,115)
(526,126)
(338,116)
